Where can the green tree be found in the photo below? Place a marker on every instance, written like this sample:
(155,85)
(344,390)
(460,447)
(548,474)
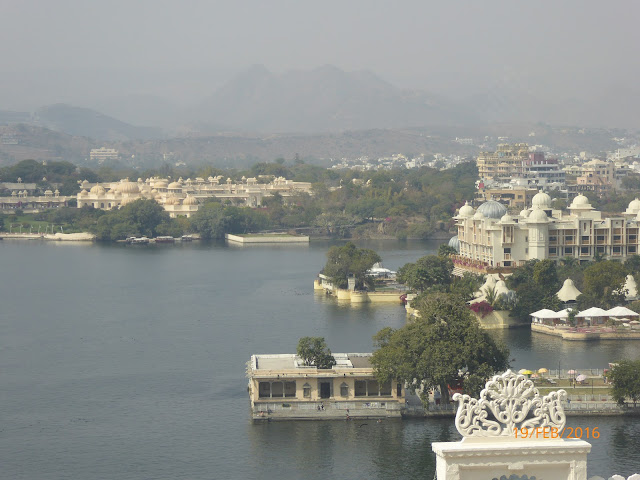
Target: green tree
(427,272)
(625,377)
(444,347)
(445,250)
(314,351)
(604,283)
(466,286)
(349,260)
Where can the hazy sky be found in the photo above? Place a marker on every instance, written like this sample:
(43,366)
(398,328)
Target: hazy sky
(82,50)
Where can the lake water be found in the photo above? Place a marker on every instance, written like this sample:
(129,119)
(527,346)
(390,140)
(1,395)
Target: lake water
(129,362)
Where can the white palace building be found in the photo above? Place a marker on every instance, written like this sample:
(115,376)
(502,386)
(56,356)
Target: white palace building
(183,197)
(490,238)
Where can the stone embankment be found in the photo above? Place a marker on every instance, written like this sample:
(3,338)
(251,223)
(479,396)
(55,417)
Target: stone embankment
(61,237)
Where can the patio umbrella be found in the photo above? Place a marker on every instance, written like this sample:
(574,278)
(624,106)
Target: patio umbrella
(581,378)
(572,372)
(535,375)
(525,372)
(543,370)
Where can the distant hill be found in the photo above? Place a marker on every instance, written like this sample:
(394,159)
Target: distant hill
(325,99)
(85,122)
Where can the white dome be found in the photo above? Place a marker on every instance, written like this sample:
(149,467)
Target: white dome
(478,216)
(160,184)
(506,218)
(524,213)
(83,193)
(541,199)
(172,201)
(128,187)
(454,243)
(634,206)
(466,210)
(492,209)
(174,185)
(97,190)
(580,200)
(537,215)
(190,200)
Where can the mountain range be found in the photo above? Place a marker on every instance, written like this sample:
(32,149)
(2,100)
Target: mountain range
(322,100)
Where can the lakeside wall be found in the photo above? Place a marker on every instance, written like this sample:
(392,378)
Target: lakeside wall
(255,239)
(357,296)
(572,335)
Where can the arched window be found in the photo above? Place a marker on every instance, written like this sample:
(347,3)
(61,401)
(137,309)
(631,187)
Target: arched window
(344,390)
(306,390)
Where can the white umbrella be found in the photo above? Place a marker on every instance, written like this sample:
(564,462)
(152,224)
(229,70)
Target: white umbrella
(581,378)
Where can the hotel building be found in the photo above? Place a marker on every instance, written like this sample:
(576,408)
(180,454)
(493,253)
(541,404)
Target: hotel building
(490,238)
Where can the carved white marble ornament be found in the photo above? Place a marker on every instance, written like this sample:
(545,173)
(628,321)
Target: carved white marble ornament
(509,402)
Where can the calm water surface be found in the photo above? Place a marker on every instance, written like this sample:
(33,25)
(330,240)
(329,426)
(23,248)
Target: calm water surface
(129,362)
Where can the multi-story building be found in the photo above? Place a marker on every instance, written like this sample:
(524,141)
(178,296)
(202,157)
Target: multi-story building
(504,163)
(543,171)
(101,154)
(489,237)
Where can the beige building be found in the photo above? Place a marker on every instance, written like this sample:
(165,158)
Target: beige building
(516,197)
(506,162)
(489,237)
(281,386)
(183,197)
(23,200)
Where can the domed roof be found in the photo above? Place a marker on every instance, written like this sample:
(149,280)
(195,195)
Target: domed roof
(174,185)
(466,210)
(128,187)
(541,199)
(172,201)
(537,215)
(454,243)
(525,213)
(48,192)
(83,193)
(506,218)
(97,190)
(580,200)
(492,209)
(634,206)
(190,200)
(160,184)
(478,215)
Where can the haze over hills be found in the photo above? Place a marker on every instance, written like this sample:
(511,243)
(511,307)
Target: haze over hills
(325,99)
(85,122)
(317,101)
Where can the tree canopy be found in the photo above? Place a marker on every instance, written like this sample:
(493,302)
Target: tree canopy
(349,260)
(427,272)
(445,347)
(314,351)
(625,377)
(603,285)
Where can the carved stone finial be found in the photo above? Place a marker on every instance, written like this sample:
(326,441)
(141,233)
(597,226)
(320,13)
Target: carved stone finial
(509,402)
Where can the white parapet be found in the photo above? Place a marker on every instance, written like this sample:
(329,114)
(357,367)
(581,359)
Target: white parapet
(560,459)
(511,432)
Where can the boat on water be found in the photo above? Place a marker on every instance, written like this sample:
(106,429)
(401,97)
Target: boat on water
(187,238)
(138,240)
(165,239)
